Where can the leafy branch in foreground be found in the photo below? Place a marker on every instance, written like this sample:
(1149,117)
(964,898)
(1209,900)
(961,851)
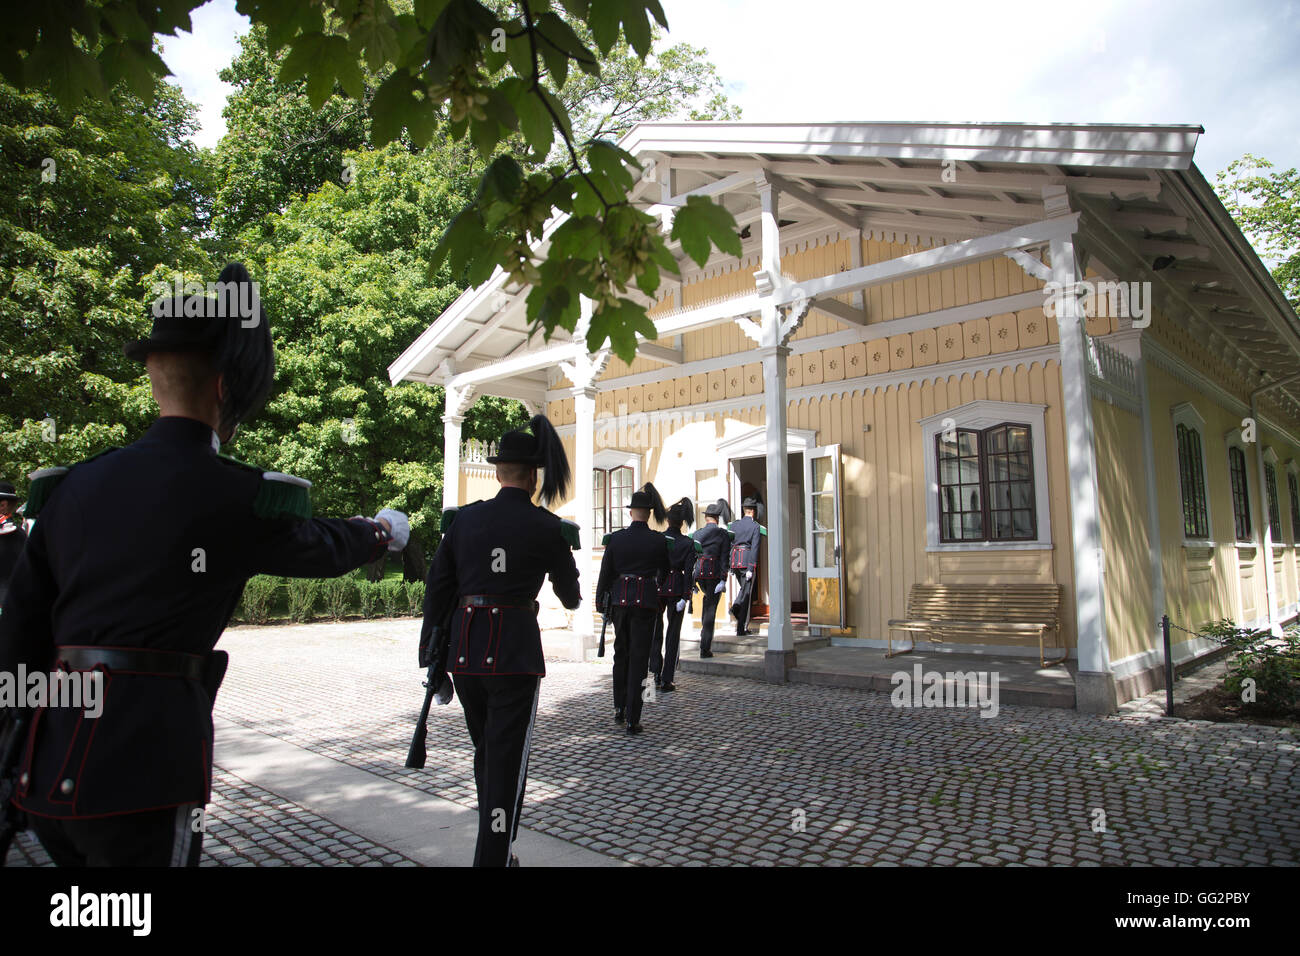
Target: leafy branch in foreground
(489,75)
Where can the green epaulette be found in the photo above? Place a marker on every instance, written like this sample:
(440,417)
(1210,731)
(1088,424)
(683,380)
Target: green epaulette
(571,533)
(731,534)
(762,531)
(699,548)
(283,496)
(605,540)
(669,539)
(279,495)
(45,480)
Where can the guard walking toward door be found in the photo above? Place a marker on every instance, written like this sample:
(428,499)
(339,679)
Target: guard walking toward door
(675,594)
(485,577)
(744,560)
(714,542)
(633,568)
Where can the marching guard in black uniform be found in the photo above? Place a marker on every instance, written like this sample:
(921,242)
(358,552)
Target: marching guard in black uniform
(675,594)
(144,602)
(714,543)
(747,538)
(485,578)
(12,536)
(633,568)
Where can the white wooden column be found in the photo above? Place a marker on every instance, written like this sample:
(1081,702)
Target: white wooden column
(1265,528)
(456,403)
(773,353)
(583,371)
(1094,683)
(584,406)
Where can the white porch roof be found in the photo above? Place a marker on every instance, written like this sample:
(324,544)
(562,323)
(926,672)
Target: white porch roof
(1141,201)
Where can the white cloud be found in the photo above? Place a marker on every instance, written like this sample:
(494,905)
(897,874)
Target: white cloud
(196,58)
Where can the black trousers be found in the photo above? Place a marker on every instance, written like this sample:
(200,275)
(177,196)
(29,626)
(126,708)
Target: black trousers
(500,713)
(744,600)
(707,614)
(666,646)
(634,629)
(153,838)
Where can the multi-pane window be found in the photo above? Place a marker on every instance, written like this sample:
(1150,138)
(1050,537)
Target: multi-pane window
(986,484)
(1191,476)
(1274,507)
(1291,485)
(611,493)
(1240,493)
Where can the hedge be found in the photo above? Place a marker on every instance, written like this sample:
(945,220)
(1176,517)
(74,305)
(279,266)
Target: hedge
(270,600)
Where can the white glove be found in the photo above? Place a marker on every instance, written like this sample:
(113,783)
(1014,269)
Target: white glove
(401,528)
(722,586)
(748,575)
(681,605)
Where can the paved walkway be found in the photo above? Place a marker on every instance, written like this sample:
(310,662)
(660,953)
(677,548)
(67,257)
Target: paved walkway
(315,721)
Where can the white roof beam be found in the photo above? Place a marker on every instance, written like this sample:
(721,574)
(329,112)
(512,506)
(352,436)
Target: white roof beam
(814,201)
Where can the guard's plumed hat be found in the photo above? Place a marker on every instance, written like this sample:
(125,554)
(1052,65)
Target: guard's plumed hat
(539,445)
(648,497)
(682,512)
(719,509)
(7,492)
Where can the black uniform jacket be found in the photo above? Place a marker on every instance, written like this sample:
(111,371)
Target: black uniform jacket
(681,566)
(716,542)
(634,550)
(504,548)
(748,534)
(12,539)
(167,577)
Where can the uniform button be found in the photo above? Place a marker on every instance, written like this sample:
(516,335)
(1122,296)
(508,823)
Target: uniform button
(66,787)
(489,660)
(496,610)
(24,778)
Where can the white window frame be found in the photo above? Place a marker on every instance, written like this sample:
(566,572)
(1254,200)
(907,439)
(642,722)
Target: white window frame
(1283,516)
(1291,468)
(1187,415)
(980,415)
(1232,439)
(608,458)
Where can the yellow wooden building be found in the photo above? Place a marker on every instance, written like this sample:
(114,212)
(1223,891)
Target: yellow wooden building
(949,353)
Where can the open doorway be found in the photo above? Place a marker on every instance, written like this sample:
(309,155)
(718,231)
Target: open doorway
(747,478)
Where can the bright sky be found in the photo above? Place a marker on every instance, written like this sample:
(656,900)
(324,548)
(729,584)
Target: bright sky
(1233,68)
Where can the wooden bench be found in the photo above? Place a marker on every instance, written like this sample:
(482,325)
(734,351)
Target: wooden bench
(1008,610)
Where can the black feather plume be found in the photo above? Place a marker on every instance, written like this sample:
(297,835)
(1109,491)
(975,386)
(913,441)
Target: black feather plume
(656,503)
(245,356)
(552,459)
(682,512)
(725,517)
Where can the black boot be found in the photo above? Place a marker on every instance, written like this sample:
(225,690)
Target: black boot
(620,715)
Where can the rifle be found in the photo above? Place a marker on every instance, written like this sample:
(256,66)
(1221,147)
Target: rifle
(11,818)
(603,607)
(433,655)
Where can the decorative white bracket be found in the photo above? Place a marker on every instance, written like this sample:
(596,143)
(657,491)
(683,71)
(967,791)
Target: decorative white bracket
(1031,265)
(751,329)
(585,369)
(458,401)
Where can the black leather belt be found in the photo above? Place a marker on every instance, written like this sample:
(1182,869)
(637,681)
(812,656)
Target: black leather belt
(159,663)
(498,600)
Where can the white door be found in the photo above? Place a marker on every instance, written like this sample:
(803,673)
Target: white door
(824,536)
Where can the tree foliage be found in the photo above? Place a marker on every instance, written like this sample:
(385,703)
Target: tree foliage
(489,73)
(1267,207)
(94,207)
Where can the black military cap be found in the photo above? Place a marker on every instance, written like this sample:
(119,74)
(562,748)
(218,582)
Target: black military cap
(7,492)
(719,509)
(537,444)
(181,324)
(648,497)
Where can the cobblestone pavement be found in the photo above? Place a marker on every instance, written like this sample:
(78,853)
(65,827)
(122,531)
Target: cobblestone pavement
(247,826)
(740,772)
(733,771)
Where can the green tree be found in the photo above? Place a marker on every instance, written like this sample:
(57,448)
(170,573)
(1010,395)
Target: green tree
(1267,207)
(489,75)
(94,208)
(346,287)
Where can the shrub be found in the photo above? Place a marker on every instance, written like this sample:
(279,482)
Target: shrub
(302,598)
(337,594)
(415,597)
(367,597)
(1273,665)
(393,594)
(258,592)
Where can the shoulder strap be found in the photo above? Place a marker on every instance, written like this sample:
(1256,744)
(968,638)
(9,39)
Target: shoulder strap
(572,533)
(283,496)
